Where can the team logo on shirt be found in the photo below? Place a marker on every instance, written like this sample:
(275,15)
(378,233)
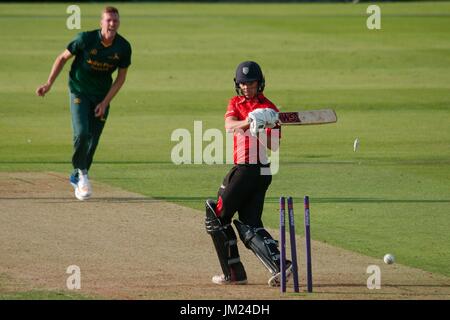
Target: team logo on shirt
(93,52)
(114,57)
(245,70)
(100,66)
(77,100)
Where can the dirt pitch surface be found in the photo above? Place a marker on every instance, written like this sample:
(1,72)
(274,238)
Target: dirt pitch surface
(133,247)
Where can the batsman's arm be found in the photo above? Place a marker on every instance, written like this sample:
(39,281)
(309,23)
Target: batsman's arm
(232,123)
(58,65)
(118,83)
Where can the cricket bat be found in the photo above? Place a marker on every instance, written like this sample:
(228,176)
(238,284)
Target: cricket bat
(321,116)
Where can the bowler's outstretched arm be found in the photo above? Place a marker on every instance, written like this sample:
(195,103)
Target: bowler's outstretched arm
(58,65)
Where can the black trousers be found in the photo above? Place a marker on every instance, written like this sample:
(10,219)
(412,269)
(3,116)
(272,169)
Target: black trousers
(243,190)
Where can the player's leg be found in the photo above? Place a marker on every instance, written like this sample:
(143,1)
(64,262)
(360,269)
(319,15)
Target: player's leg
(231,195)
(251,230)
(236,189)
(255,236)
(80,107)
(225,243)
(96,125)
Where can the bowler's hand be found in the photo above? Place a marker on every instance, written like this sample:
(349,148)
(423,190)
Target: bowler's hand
(42,90)
(100,109)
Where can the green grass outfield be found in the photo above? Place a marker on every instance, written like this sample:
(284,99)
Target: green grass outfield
(390,88)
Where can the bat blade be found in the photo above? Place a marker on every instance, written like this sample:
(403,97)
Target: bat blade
(321,116)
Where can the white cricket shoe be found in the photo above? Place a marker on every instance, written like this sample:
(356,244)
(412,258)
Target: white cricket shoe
(221,279)
(83,191)
(275,280)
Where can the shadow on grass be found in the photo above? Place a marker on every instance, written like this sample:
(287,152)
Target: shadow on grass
(364,161)
(202,199)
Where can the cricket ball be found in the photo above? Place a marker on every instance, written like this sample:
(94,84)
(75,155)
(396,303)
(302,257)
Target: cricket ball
(389,258)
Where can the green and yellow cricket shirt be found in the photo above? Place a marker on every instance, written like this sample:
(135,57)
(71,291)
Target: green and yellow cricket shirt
(94,62)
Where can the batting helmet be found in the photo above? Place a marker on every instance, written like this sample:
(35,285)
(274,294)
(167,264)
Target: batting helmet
(249,71)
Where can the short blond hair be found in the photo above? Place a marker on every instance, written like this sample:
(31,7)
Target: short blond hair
(110,9)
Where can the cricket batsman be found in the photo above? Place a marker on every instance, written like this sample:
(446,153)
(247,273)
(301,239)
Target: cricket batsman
(98,54)
(250,115)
